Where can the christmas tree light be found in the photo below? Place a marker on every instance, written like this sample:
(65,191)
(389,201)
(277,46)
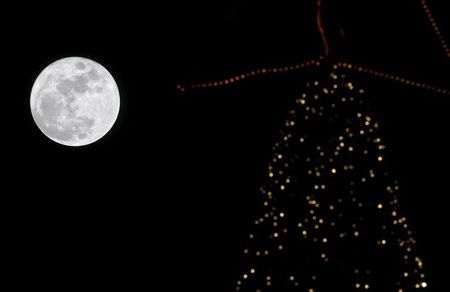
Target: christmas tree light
(329,215)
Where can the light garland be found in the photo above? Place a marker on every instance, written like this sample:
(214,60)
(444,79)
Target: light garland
(435,27)
(317,63)
(392,77)
(250,74)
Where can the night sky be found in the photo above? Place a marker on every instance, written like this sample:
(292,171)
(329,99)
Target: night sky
(166,197)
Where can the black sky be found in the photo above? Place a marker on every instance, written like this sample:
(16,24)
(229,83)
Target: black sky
(165,198)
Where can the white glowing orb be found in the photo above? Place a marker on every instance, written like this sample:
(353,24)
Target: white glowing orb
(75,101)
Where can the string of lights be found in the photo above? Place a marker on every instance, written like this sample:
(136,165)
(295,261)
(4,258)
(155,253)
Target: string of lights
(434,25)
(392,77)
(321,29)
(250,74)
(409,82)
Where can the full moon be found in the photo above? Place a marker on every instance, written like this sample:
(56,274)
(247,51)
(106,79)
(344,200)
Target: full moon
(75,101)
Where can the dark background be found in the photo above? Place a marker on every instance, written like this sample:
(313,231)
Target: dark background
(166,197)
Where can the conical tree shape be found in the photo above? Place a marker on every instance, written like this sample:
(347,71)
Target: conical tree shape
(329,218)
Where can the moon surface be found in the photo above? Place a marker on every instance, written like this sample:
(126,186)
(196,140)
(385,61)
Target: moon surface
(75,101)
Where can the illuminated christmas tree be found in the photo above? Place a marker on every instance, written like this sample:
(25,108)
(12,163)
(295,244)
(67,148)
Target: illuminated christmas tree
(329,216)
